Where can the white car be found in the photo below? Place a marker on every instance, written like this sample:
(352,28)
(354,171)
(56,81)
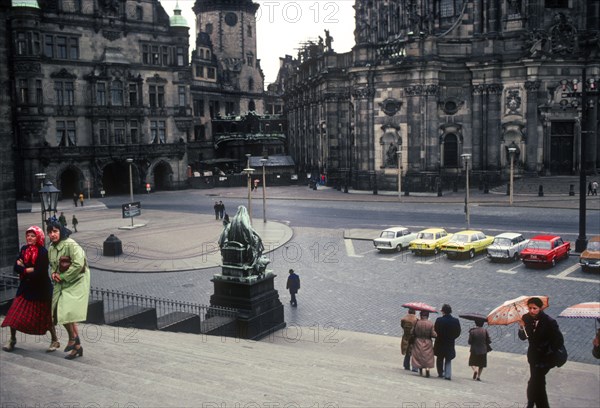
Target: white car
(507,247)
(394,239)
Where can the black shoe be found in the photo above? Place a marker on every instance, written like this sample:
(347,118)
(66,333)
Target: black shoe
(427,373)
(78,352)
(474,376)
(70,347)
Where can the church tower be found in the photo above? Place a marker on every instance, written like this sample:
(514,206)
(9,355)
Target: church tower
(231,26)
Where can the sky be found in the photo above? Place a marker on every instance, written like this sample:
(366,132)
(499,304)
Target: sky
(283,25)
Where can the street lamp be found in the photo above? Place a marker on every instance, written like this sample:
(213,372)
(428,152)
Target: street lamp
(130,161)
(399,153)
(248,170)
(511,152)
(263,161)
(466,157)
(49,199)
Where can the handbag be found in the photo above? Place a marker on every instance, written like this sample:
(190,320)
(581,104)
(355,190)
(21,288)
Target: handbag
(64,263)
(560,356)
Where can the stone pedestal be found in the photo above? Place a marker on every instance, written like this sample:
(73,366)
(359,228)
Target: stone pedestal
(261,311)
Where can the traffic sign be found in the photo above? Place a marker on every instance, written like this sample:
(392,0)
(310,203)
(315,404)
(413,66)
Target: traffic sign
(131,210)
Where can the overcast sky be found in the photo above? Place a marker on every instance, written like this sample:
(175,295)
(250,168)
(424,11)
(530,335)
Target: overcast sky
(283,25)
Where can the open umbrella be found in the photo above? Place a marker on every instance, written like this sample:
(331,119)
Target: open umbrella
(512,310)
(420,306)
(588,310)
(474,316)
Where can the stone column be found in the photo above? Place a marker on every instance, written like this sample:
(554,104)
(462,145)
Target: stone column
(532,127)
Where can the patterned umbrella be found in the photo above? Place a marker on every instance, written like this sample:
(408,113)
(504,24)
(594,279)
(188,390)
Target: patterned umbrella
(588,310)
(420,306)
(512,310)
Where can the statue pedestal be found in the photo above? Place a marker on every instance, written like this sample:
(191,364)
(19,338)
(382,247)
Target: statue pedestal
(261,311)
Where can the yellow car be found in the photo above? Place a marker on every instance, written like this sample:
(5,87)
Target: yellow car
(467,243)
(429,241)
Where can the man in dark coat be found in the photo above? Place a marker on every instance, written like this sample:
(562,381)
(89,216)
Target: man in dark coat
(293,285)
(447,328)
(544,339)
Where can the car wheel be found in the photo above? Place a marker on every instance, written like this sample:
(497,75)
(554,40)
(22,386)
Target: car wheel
(516,256)
(472,253)
(436,251)
(399,247)
(553,262)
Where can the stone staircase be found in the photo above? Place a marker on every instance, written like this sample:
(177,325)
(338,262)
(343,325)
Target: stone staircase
(297,366)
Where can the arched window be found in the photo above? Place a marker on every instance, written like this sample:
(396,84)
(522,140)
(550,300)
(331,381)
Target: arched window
(251,106)
(451,150)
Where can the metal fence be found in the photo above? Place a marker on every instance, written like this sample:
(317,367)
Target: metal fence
(8,287)
(119,305)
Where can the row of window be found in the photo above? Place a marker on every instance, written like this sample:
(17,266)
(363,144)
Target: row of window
(67,48)
(123,132)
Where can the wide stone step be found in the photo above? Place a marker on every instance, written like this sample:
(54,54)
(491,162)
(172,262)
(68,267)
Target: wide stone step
(133,316)
(180,322)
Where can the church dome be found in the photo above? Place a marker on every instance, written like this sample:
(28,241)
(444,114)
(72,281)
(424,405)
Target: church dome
(177,20)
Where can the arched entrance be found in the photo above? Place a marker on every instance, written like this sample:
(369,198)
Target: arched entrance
(163,175)
(450,151)
(70,182)
(115,178)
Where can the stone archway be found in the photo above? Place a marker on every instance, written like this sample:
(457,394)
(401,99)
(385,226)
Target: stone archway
(163,176)
(70,181)
(115,178)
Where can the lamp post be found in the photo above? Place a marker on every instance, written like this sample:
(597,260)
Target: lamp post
(248,170)
(263,161)
(466,157)
(49,199)
(130,161)
(40,177)
(511,152)
(399,153)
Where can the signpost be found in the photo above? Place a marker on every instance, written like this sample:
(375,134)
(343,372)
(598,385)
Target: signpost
(131,210)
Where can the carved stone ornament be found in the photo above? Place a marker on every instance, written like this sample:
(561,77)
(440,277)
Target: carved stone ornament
(111,35)
(390,106)
(64,74)
(361,93)
(563,36)
(513,102)
(32,67)
(451,105)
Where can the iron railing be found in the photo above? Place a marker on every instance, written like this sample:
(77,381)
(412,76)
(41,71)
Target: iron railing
(8,287)
(120,305)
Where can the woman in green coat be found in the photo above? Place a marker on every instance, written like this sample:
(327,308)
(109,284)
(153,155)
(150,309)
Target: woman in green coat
(71,278)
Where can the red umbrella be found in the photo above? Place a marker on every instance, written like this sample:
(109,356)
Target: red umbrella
(420,306)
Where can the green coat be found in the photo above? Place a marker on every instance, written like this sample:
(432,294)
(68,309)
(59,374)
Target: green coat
(71,295)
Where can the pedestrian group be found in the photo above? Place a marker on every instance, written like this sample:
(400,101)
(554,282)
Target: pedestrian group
(54,288)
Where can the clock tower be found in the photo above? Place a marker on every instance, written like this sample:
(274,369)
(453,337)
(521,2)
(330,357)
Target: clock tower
(231,26)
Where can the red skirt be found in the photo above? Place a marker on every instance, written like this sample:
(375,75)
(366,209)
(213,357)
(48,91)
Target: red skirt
(29,316)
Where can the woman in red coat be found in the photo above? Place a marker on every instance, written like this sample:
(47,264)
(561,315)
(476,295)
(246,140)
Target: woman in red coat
(31,311)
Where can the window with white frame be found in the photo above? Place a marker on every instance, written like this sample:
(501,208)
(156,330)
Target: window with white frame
(65,133)
(158,131)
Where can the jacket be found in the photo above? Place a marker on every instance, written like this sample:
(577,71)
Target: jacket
(293,283)
(544,338)
(447,328)
(35,285)
(479,339)
(71,294)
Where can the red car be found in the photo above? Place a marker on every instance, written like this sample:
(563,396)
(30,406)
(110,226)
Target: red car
(545,250)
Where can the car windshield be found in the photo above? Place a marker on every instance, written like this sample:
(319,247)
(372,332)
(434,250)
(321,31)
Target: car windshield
(502,241)
(593,246)
(460,238)
(539,245)
(387,234)
(425,235)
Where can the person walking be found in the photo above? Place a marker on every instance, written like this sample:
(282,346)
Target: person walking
(74,223)
(75,198)
(422,348)
(71,276)
(407,323)
(62,219)
(293,285)
(81,198)
(217,210)
(447,328)
(544,338)
(590,190)
(31,309)
(221,209)
(480,341)
(594,188)
(226,220)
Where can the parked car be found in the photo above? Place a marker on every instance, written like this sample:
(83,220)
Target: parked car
(590,258)
(394,239)
(545,250)
(429,240)
(507,247)
(467,243)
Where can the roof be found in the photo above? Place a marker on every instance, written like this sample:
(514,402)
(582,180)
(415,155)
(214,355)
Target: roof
(396,229)
(468,232)
(509,235)
(432,230)
(544,237)
(177,20)
(25,3)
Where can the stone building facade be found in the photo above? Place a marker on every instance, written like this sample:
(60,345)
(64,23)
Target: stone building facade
(429,81)
(96,82)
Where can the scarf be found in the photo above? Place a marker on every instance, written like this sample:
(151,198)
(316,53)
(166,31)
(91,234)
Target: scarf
(31,252)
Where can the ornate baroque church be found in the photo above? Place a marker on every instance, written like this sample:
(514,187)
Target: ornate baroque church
(430,82)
